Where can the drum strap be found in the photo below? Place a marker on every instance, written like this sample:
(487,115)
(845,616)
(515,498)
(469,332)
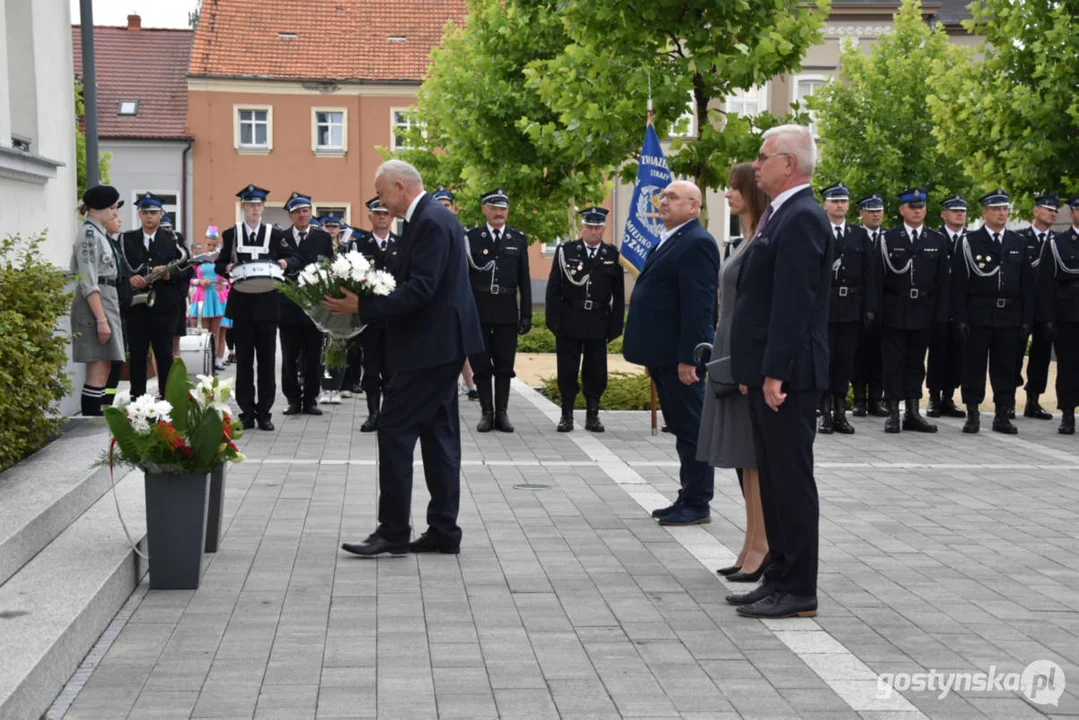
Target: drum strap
(254,251)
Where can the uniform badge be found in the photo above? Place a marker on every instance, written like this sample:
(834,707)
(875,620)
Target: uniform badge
(989,258)
(89,232)
(978,257)
(580,266)
(981,265)
(485,251)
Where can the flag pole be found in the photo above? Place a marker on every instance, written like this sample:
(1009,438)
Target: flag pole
(651,382)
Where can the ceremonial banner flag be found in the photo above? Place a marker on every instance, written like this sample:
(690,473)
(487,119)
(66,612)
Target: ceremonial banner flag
(643,225)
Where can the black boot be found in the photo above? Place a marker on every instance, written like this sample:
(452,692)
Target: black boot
(933,410)
(839,415)
(502,401)
(859,407)
(878,409)
(824,415)
(591,418)
(913,419)
(974,419)
(1067,422)
(487,406)
(1034,410)
(948,407)
(565,423)
(1001,421)
(373,402)
(891,425)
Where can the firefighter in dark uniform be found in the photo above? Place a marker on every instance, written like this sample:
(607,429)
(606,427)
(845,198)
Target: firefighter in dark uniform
(254,315)
(868,371)
(1058,289)
(914,260)
(852,307)
(301,340)
(157,308)
(993,305)
(944,369)
(1046,207)
(586,299)
(380,248)
(181,322)
(498,270)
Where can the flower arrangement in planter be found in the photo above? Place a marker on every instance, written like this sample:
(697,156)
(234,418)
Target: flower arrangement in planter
(317,280)
(178,442)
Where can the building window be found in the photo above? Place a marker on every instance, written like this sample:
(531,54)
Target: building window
(803,87)
(254,128)
(401,121)
(128,108)
(329,130)
(748,103)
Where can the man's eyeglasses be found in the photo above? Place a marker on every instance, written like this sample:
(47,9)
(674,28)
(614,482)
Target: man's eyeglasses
(671,197)
(763,156)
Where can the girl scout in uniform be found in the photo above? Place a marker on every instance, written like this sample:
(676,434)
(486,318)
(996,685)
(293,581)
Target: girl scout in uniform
(97,339)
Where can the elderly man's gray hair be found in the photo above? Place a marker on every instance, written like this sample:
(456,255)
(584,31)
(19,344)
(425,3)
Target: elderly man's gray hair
(400,170)
(798,141)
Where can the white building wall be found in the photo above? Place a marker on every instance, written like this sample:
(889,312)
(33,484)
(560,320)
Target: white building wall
(155,165)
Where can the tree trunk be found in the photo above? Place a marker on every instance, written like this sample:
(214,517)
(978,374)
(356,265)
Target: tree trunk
(571,220)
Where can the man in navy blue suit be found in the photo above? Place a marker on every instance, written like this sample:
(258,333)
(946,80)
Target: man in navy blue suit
(779,354)
(671,311)
(433,326)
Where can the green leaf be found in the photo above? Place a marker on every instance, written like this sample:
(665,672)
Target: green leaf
(177,387)
(205,440)
(121,429)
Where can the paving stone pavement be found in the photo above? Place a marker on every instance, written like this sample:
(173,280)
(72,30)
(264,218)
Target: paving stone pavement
(944,553)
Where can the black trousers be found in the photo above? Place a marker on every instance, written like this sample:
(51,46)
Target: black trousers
(868,372)
(255,340)
(350,376)
(842,344)
(301,355)
(903,354)
(1041,351)
(682,405)
(144,331)
(593,371)
(944,370)
(499,352)
(784,447)
(998,346)
(420,405)
(1067,343)
(375,377)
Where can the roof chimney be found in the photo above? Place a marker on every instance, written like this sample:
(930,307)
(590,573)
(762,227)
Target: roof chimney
(134,22)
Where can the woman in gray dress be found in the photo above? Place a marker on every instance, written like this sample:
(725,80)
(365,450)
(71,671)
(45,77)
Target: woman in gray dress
(96,335)
(726,435)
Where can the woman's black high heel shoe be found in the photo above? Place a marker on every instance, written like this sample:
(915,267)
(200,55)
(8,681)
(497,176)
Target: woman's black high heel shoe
(753,576)
(729,570)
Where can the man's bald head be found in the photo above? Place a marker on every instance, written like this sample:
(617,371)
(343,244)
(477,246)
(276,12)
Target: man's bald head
(679,202)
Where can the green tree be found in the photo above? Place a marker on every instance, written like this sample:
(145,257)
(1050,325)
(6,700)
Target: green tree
(472,133)
(876,135)
(104,160)
(1012,117)
(696,51)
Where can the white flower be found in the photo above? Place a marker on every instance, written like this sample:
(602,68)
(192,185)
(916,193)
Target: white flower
(213,393)
(309,275)
(145,411)
(121,400)
(358,265)
(341,267)
(380,282)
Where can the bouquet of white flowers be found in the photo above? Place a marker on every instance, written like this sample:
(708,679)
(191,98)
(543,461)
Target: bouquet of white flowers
(351,271)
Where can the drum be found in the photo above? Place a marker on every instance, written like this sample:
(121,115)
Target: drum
(259,276)
(197,352)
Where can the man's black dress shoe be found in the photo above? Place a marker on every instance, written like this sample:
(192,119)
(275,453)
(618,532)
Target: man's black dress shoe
(247,423)
(781,605)
(292,409)
(265,424)
(375,544)
(758,593)
(430,542)
(661,512)
(311,410)
(730,570)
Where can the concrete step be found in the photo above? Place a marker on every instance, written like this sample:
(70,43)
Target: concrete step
(44,494)
(54,608)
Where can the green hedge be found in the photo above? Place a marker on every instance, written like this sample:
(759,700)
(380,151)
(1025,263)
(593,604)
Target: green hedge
(541,340)
(33,357)
(625,391)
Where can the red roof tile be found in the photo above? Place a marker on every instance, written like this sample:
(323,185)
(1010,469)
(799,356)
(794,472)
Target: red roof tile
(147,65)
(340,40)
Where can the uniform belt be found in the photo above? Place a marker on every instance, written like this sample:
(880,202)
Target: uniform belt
(912,293)
(495,289)
(111,282)
(591,306)
(1000,303)
(844,291)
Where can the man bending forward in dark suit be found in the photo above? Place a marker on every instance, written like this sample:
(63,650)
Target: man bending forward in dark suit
(671,311)
(779,354)
(433,326)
